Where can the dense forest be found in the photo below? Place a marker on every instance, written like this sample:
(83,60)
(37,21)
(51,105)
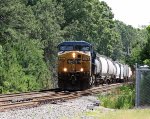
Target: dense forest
(30,31)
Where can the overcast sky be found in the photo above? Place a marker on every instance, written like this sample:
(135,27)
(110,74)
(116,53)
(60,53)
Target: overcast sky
(131,12)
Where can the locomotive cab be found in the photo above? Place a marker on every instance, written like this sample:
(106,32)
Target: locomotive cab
(74,64)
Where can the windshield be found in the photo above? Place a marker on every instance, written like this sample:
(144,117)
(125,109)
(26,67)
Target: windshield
(65,48)
(82,48)
(76,47)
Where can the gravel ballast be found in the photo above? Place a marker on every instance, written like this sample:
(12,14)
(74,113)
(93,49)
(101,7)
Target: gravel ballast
(66,110)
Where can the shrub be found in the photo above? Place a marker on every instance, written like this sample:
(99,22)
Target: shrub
(121,98)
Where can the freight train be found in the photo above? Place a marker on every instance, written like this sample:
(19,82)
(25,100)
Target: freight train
(80,67)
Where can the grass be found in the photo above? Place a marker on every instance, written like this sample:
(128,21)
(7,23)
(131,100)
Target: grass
(121,98)
(120,114)
(119,103)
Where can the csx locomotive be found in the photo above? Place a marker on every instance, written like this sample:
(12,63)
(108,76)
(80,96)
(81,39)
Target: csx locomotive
(79,67)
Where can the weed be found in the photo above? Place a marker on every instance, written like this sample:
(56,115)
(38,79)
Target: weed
(121,98)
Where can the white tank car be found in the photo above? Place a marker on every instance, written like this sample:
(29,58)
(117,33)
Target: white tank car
(121,71)
(98,66)
(117,70)
(108,69)
(103,66)
(130,73)
(111,68)
(125,71)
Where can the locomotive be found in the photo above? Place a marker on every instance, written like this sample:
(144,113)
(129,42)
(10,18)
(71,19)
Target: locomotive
(80,67)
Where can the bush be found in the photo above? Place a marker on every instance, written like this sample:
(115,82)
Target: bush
(121,98)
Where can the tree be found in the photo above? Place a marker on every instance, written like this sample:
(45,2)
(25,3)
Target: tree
(30,30)
(23,65)
(145,53)
(89,20)
(131,42)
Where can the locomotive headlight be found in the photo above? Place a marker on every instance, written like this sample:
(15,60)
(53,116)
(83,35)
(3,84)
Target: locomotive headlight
(81,69)
(65,69)
(73,55)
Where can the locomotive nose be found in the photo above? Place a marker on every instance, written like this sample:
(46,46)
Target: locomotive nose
(74,61)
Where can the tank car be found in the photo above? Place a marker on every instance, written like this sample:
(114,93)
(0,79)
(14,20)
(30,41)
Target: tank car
(130,74)
(126,72)
(105,69)
(118,70)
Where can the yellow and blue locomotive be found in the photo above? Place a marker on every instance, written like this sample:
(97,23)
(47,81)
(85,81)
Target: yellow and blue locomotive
(75,65)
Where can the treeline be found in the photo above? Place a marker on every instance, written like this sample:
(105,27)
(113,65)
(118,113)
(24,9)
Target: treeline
(30,30)
(145,52)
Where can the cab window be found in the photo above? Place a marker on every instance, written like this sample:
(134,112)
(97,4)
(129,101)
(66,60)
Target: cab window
(82,48)
(66,48)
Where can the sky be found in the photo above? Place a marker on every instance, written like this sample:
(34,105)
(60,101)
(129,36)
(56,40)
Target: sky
(131,12)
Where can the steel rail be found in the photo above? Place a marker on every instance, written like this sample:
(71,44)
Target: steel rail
(50,97)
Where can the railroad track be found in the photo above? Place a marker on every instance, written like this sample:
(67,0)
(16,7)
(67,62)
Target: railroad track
(32,99)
